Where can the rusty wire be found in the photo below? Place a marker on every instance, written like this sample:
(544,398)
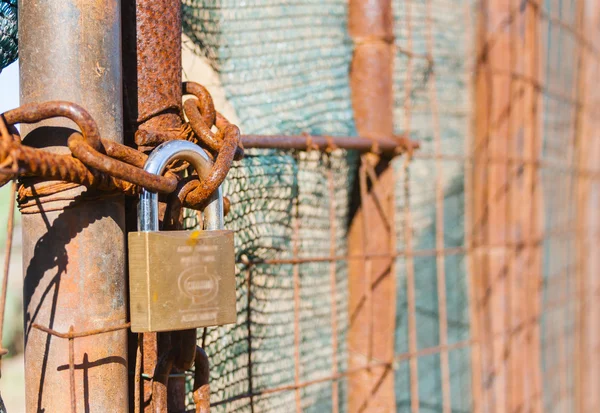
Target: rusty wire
(71,336)
(111,167)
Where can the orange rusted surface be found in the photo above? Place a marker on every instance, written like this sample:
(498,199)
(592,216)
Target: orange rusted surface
(587,374)
(506,208)
(152,89)
(372,283)
(73,249)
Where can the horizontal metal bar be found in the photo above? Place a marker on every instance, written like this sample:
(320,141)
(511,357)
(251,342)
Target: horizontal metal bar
(72,334)
(546,236)
(389,146)
(373,364)
(147,376)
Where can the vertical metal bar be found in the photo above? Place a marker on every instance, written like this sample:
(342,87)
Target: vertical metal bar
(72,388)
(591,378)
(474,314)
(371,331)
(297,332)
(577,181)
(137,374)
(368,262)
(560,76)
(333,286)
(249,328)
(491,198)
(587,360)
(512,300)
(582,225)
(503,52)
(496,200)
(152,33)
(74,257)
(410,297)
(482,189)
(532,219)
(407,223)
(479,191)
(152,91)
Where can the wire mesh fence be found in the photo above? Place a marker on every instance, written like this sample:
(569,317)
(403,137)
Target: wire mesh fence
(487,216)
(494,219)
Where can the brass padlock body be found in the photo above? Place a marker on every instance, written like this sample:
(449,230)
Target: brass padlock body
(181,280)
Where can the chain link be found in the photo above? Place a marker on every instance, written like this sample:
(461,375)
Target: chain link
(112,167)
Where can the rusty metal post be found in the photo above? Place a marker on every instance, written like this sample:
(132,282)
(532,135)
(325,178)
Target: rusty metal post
(507,225)
(372,283)
(152,64)
(153,91)
(74,245)
(586,155)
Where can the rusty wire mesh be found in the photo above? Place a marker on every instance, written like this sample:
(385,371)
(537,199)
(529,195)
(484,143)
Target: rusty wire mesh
(433,105)
(570,147)
(289,342)
(292,316)
(522,171)
(489,225)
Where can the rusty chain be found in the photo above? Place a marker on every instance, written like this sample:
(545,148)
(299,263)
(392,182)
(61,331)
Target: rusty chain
(112,167)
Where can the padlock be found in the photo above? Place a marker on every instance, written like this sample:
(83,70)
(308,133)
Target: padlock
(180,279)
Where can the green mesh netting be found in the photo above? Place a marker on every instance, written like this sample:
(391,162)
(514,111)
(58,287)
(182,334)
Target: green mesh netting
(284,65)
(429,92)
(8,32)
(284,68)
(271,195)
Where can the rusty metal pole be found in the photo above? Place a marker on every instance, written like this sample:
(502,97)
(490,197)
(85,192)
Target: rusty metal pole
(153,91)
(74,245)
(372,283)
(587,373)
(507,208)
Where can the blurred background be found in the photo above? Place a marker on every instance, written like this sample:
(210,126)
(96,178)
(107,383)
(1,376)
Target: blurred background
(12,382)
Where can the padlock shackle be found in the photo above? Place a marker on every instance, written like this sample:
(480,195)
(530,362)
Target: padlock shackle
(158,160)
